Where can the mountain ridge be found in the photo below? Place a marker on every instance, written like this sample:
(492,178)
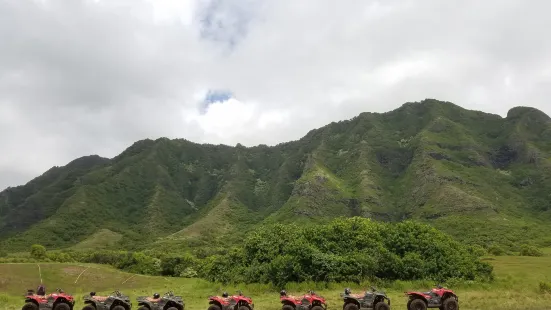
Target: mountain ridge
(432,161)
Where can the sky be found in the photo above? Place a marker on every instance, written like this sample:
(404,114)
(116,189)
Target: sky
(84,77)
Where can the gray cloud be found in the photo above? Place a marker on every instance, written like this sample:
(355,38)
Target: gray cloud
(92,76)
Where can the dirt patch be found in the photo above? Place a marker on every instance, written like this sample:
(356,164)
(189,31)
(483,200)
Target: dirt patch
(72,270)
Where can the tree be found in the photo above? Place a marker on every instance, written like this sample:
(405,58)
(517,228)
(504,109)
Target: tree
(38,251)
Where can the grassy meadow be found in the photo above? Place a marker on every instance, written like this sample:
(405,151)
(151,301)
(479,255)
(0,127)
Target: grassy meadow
(517,286)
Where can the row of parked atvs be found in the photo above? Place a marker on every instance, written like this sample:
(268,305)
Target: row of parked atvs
(438,297)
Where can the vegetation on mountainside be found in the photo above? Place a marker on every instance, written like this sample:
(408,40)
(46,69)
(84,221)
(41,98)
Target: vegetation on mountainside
(482,178)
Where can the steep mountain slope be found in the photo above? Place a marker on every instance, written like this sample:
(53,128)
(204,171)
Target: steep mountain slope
(478,176)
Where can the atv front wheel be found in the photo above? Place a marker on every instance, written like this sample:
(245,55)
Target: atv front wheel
(450,304)
(30,306)
(351,306)
(287,307)
(62,306)
(317,308)
(118,307)
(88,307)
(381,305)
(143,308)
(214,307)
(417,304)
(171,308)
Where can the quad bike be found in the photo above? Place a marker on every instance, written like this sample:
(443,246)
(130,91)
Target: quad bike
(234,302)
(55,301)
(438,297)
(309,301)
(168,302)
(115,301)
(366,300)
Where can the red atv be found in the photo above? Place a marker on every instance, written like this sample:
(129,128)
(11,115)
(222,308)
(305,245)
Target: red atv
(235,302)
(309,301)
(55,301)
(438,297)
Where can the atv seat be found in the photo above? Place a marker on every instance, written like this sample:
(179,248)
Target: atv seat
(357,295)
(151,299)
(100,298)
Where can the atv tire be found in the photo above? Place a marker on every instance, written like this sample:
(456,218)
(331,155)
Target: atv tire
(417,304)
(450,304)
(118,307)
(143,308)
(214,307)
(381,305)
(317,308)
(287,307)
(30,306)
(89,307)
(171,308)
(244,308)
(351,306)
(62,306)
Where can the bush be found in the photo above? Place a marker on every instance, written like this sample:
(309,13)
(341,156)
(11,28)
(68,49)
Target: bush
(545,287)
(530,250)
(477,250)
(496,250)
(38,251)
(346,250)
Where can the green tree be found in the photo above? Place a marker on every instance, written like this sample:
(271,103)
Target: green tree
(38,251)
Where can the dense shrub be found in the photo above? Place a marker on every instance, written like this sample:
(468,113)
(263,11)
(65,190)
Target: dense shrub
(496,250)
(350,249)
(38,251)
(545,287)
(530,250)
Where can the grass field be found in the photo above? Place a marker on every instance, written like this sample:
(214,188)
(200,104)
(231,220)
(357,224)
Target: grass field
(516,286)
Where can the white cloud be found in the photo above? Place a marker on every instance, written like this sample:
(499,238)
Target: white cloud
(92,76)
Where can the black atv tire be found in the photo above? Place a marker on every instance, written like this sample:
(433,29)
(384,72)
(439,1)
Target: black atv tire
(244,308)
(118,307)
(417,304)
(351,306)
(214,307)
(287,307)
(450,304)
(144,308)
(89,307)
(317,308)
(62,306)
(381,305)
(30,306)
(171,308)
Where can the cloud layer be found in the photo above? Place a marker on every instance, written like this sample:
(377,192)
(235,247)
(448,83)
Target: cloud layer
(86,77)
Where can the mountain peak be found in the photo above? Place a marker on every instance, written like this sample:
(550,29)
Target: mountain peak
(520,111)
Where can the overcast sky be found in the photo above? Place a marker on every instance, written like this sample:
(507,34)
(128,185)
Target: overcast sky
(80,77)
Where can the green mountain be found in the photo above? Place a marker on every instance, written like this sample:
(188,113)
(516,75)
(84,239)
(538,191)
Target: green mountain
(480,177)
